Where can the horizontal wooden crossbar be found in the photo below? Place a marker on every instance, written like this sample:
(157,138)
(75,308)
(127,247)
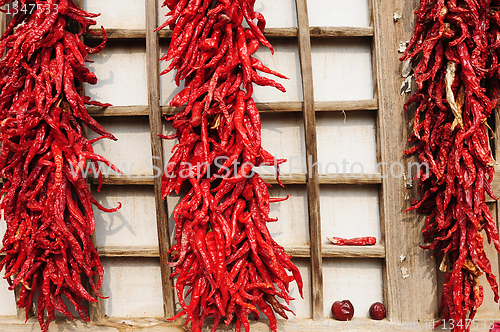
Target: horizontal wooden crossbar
(337,179)
(316,32)
(331,106)
(375,251)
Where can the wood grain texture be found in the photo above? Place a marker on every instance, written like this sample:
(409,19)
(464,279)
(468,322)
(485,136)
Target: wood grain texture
(130,251)
(116,34)
(115,324)
(348,105)
(375,251)
(97,112)
(107,324)
(340,179)
(313,195)
(328,106)
(157,325)
(123,180)
(328,32)
(315,32)
(414,297)
(155,117)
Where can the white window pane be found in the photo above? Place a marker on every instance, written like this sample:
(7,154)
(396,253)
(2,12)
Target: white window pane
(337,13)
(349,211)
(133,286)
(342,69)
(356,280)
(121,74)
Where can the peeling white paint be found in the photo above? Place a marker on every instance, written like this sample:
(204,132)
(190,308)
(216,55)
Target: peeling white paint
(406,85)
(402,46)
(405,273)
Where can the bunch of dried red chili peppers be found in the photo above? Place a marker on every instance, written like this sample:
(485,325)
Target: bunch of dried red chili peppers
(46,203)
(224,253)
(456,50)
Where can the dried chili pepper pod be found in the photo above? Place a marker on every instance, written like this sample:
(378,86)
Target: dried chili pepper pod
(455,55)
(46,202)
(225,255)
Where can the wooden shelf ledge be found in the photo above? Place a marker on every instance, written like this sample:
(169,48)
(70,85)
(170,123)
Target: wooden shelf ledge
(332,251)
(118,111)
(276,107)
(328,251)
(125,180)
(115,324)
(315,32)
(328,32)
(132,251)
(339,179)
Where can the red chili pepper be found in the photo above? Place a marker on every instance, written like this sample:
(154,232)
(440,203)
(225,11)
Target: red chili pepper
(357,241)
(455,49)
(231,249)
(46,203)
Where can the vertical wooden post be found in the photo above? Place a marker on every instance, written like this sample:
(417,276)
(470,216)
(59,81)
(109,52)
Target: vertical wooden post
(409,272)
(304,42)
(152,56)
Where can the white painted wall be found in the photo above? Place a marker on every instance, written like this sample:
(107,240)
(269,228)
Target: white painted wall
(7,301)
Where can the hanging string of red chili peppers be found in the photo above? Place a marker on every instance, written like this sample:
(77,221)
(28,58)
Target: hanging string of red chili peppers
(46,203)
(224,254)
(455,49)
